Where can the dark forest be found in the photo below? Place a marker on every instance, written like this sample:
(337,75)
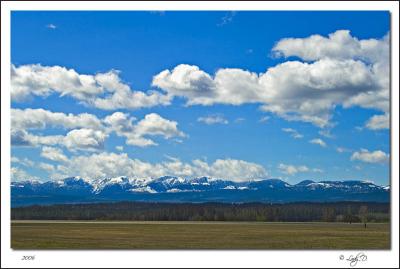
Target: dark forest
(138,211)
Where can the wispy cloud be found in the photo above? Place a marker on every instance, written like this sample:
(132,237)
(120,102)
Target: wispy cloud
(213,119)
(293,133)
(158,12)
(239,120)
(342,149)
(327,133)
(228,18)
(51,26)
(264,119)
(17,174)
(359,128)
(293,169)
(25,162)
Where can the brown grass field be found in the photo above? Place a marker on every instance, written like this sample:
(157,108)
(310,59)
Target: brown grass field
(196,235)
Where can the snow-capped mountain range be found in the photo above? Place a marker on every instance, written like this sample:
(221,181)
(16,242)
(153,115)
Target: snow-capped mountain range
(203,189)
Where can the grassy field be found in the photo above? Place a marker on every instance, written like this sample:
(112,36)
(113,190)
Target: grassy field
(196,235)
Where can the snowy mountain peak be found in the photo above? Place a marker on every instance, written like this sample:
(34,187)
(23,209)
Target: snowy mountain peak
(198,189)
(75,180)
(305,183)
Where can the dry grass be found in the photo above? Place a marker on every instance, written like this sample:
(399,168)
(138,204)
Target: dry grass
(197,235)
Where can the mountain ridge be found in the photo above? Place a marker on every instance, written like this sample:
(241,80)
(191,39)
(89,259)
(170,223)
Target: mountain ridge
(199,189)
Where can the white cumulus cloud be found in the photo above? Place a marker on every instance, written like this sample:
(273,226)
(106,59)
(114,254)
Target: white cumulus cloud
(40,119)
(338,45)
(318,141)
(291,169)
(295,90)
(47,167)
(377,156)
(102,90)
(54,154)
(25,161)
(23,138)
(337,70)
(86,131)
(18,174)
(378,122)
(88,139)
(137,133)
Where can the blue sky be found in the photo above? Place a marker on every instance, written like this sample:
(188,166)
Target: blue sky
(204,120)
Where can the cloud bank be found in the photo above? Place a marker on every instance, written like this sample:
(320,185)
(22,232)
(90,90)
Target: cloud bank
(86,131)
(105,164)
(103,90)
(338,70)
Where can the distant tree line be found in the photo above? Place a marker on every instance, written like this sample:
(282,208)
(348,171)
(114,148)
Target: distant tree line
(141,211)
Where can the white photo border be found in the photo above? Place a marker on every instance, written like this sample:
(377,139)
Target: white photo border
(188,258)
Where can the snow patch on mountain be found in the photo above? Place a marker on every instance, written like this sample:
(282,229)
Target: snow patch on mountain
(143,189)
